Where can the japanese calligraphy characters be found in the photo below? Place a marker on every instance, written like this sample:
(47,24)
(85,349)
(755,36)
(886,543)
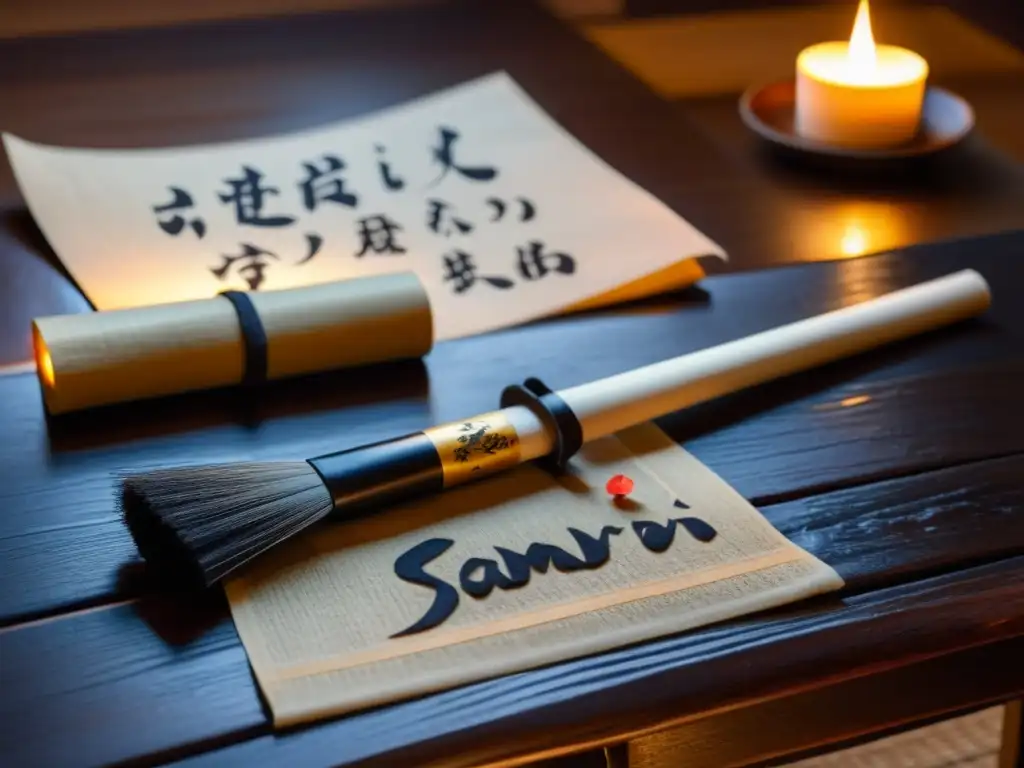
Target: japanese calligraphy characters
(501,213)
(322,181)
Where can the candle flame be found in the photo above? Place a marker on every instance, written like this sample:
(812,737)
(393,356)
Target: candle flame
(861,54)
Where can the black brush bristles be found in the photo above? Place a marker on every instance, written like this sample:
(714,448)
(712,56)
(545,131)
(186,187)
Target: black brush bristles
(199,523)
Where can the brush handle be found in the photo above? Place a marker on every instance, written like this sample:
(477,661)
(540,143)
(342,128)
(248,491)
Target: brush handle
(436,459)
(608,405)
(442,457)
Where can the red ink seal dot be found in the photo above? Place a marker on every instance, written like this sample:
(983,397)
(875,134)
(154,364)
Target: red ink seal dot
(619,485)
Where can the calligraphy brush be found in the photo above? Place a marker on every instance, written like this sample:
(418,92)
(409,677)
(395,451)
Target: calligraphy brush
(201,523)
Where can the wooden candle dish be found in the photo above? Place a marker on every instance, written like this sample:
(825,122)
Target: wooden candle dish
(769,110)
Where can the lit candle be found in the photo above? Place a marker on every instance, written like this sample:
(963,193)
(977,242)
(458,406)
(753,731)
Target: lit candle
(858,94)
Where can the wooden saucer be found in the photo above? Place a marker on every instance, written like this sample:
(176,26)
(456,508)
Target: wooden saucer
(768,110)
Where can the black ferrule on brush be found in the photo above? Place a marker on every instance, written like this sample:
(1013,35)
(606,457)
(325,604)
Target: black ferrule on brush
(556,414)
(382,473)
(409,467)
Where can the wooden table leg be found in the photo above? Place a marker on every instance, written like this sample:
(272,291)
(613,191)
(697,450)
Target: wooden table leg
(1011,755)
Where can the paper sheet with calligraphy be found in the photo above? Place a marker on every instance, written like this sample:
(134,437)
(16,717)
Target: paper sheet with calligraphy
(504,215)
(516,571)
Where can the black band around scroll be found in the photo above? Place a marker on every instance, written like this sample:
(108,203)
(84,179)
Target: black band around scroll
(254,338)
(556,412)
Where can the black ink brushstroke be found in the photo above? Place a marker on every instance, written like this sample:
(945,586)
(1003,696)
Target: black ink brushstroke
(409,567)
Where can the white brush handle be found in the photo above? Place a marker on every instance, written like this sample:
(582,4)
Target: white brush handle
(611,404)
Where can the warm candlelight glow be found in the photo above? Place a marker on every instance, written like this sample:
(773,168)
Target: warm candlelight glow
(854,241)
(857,93)
(851,402)
(847,229)
(45,363)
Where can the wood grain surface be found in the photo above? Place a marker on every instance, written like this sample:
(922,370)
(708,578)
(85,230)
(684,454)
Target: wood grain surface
(122,691)
(912,495)
(845,715)
(859,420)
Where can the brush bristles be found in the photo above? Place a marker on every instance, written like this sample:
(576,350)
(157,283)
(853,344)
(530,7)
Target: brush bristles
(199,523)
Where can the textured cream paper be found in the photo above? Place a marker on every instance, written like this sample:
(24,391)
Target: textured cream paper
(555,228)
(316,618)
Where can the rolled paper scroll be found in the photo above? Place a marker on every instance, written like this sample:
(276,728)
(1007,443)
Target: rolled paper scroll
(87,360)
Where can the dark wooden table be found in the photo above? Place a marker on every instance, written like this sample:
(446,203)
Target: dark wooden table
(904,470)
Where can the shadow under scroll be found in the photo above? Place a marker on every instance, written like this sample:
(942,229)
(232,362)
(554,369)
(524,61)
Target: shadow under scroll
(237,406)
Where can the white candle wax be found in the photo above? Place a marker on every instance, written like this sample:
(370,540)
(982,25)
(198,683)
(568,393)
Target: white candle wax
(858,94)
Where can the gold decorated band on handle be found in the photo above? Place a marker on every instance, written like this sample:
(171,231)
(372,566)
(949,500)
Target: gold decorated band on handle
(470,449)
